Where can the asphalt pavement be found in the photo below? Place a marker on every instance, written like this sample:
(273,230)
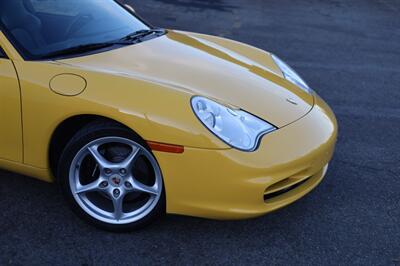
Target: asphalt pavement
(349,52)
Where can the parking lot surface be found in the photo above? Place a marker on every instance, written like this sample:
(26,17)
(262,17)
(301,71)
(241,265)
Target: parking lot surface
(348,51)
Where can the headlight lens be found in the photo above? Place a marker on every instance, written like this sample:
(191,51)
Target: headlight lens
(291,75)
(237,128)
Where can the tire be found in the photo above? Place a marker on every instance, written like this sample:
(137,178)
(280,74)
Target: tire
(111,179)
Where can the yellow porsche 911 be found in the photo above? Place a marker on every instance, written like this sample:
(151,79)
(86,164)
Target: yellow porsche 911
(134,121)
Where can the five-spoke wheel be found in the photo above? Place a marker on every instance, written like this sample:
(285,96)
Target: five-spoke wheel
(113,178)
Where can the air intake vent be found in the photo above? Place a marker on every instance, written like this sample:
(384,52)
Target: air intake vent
(283,187)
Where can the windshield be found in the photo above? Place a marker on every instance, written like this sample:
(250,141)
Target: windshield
(41,27)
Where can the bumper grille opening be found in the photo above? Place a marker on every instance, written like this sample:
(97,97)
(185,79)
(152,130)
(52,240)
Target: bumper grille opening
(282,188)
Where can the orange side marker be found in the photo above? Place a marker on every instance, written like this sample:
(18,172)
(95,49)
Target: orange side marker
(156,146)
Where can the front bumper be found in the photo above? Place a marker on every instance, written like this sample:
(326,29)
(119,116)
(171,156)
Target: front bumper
(231,184)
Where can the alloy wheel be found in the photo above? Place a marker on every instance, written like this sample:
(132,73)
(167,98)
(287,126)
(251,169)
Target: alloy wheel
(115,180)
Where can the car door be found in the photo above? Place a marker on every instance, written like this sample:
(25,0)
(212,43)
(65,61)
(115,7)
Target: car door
(10,111)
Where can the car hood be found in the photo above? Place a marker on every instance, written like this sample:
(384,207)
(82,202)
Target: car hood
(226,71)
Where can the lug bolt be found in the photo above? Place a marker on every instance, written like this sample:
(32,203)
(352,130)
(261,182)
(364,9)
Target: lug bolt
(122,171)
(107,171)
(128,185)
(116,193)
(104,184)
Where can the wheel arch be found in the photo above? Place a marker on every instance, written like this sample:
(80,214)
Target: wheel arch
(65,131)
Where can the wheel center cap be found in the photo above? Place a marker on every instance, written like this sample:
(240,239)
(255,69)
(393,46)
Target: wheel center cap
(116,181)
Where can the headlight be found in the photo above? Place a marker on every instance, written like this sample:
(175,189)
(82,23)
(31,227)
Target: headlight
(291,75)
(237,128)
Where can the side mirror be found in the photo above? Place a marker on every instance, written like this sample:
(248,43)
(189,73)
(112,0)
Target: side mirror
(130,8)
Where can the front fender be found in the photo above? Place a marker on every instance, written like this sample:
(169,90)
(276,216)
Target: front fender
(155,111)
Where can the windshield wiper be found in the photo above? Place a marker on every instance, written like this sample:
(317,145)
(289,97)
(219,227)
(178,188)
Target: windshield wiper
(127,40)
(80,49)
(138,35)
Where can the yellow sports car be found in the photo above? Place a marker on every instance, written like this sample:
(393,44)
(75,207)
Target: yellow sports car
(134,121)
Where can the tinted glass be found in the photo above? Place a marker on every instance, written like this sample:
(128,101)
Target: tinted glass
(2,53)
(39,27)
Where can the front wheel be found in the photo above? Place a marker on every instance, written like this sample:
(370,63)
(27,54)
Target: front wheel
(111,179)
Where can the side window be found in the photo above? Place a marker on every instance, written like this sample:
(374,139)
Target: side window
(2,53)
